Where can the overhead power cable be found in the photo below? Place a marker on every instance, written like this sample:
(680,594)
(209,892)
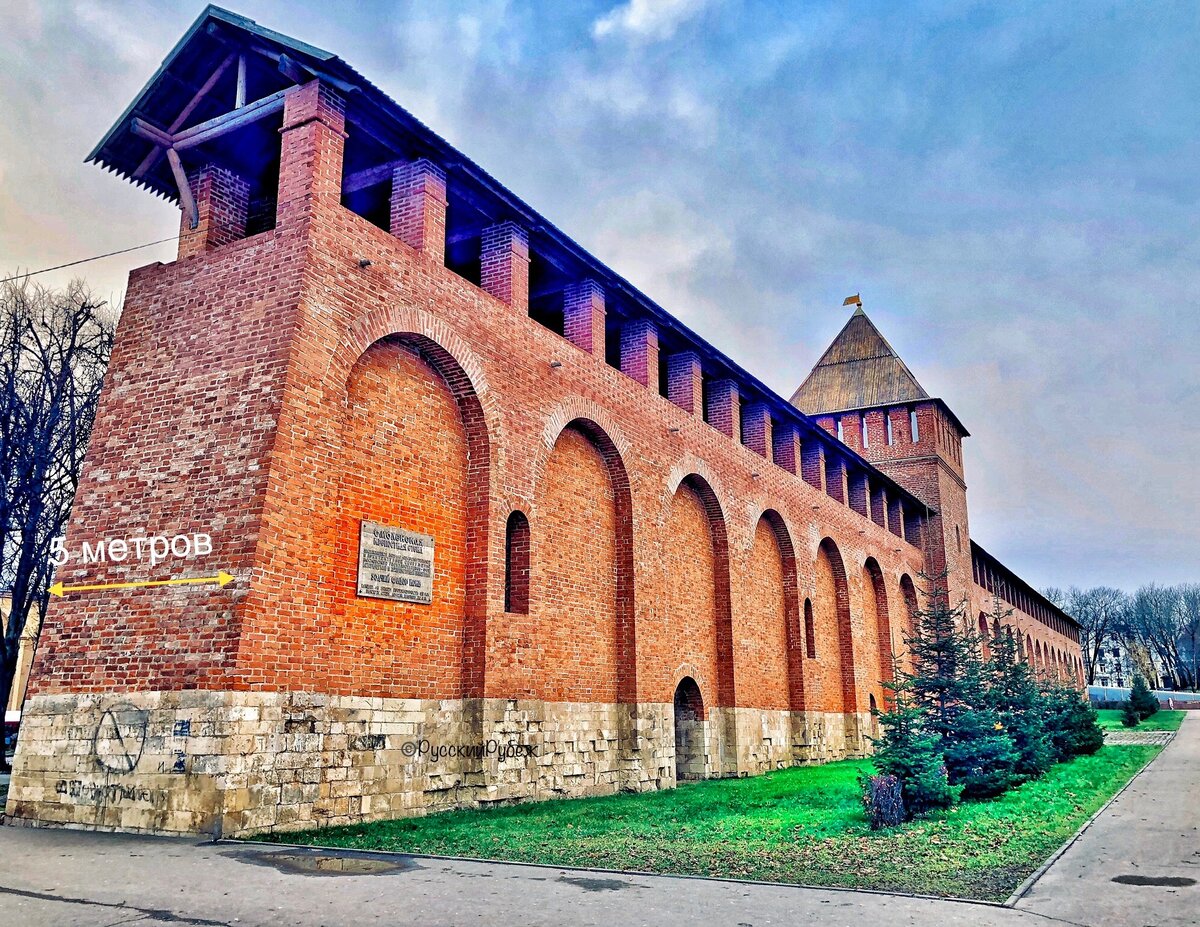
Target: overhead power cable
(46,270)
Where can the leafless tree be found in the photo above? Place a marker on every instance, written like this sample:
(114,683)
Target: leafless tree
(1154,623)
(1101,612)
(54,349)
(1189,636)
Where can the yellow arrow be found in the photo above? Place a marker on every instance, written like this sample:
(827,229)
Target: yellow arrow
(221,579)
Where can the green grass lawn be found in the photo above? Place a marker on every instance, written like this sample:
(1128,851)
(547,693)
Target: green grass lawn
(802,825)
(1110,720)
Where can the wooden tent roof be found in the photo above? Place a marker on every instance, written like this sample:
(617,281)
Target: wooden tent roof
(858,370)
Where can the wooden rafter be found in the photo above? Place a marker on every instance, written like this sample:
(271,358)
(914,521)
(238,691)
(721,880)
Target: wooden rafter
(186,200)
(173,143)
(361,180)
(152,158)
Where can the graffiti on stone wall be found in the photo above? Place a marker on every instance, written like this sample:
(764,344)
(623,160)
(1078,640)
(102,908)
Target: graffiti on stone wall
(120,738)
(94,793)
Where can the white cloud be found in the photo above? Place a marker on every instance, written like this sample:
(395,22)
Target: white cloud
(646,20)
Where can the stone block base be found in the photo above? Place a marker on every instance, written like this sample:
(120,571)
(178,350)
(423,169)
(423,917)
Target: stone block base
(244,762)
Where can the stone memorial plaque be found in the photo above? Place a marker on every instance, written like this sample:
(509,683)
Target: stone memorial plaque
(395,564)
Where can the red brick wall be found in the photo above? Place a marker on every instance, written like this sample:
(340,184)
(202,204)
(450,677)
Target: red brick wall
(574,592)
(760,625)
(232,407)
(688,636)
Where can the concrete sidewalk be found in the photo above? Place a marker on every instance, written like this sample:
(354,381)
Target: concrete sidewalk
(57,877)
(1150,834)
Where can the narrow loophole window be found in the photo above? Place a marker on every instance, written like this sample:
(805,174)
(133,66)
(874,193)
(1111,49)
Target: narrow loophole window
(516,564)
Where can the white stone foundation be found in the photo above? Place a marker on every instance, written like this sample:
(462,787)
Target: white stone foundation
(243,762)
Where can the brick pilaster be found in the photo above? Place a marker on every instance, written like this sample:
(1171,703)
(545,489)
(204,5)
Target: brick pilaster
(756,428)
(813,464)
(896,516)
(504,264)
(222,205)
(724,408)
(856,483)
(879,506)
(583,316)
(311,150)
(418,208)
(639,352)
(685,381)
(786,449)
(835,478)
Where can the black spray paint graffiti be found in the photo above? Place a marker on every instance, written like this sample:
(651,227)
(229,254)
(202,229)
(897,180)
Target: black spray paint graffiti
(120,738)
(90,793)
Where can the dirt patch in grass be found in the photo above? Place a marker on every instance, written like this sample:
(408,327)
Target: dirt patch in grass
(801,825)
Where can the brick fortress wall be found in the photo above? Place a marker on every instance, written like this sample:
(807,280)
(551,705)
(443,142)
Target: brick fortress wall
(274,392)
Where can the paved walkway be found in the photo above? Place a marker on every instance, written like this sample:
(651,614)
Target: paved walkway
(61,878)
(1138,738)
(1139,862)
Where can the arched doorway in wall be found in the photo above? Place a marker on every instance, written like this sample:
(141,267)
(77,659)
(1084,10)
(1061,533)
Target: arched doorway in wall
(689,731)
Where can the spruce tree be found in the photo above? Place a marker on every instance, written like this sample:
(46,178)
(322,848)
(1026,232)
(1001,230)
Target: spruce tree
(1012,692)
(947,687)
(909,751)
(1142,698)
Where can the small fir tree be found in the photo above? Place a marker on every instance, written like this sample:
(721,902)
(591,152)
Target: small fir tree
(981,756)
(1071,723)
(1129,714)
(1142,698)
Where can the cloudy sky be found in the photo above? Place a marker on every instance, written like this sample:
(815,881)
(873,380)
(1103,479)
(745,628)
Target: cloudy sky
(1012,187)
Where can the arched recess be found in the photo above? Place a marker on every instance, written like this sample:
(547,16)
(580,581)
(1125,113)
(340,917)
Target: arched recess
(415,454)
(908,592)
(697,581)
(1039,662)
(875,613)
(697,485)
(833,600)
(1027,651)
(984,637)
(771,618)
(560,496)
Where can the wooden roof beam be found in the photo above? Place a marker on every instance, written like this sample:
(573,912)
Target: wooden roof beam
(152,158)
